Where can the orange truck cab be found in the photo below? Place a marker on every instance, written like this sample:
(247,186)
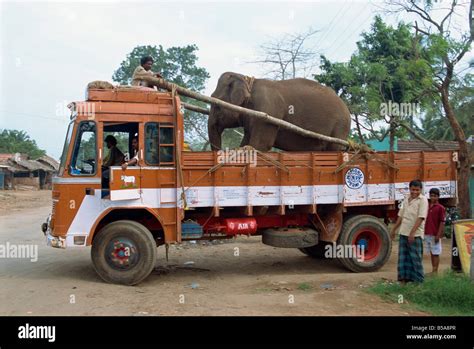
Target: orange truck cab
(306,200)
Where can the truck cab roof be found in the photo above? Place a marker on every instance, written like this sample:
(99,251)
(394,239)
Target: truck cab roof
(134,102)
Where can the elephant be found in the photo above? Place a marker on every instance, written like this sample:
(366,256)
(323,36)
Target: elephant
(302,102)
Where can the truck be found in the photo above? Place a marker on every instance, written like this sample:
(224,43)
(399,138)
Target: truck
(316,202)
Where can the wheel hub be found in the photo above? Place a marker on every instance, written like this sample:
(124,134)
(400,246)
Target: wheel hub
(369,242)
(121,253)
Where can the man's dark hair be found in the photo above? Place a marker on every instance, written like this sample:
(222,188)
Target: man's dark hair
(111,139)
(146,59)
(416,183)
(434,191)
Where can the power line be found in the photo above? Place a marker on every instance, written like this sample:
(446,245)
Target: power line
(344,7)
(350,36)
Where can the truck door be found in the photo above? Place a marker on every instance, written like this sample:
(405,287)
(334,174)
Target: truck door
(125,185)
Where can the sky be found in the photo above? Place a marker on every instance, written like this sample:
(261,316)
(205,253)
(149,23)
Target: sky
(50,51)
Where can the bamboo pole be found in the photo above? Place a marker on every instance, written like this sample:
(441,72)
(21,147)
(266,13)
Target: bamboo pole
(162,83)
(195,108)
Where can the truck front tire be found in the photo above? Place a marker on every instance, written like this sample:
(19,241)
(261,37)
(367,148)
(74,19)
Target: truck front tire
(124,252)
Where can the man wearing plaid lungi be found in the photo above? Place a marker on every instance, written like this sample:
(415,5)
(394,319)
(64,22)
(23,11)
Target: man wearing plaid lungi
(411,221)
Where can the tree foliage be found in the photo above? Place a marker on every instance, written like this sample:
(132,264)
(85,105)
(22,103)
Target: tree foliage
(386,68)
(15,141)
(413,63)
(444,45)
(434,124)
(177,65)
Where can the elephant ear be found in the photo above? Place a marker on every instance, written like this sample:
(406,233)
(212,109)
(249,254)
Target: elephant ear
(239,93)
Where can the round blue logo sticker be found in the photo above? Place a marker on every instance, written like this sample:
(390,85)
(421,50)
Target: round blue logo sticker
(354,178)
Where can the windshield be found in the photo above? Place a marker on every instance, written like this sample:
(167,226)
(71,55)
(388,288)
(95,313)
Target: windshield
(84,153)
(65,148)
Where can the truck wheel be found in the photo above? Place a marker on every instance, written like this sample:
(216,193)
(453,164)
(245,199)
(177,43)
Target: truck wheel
(316,251)
(368,234)
(124,252)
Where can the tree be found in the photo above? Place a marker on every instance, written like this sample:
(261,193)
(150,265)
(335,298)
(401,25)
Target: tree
(177,65)
(14,141)
(436,126)
(288,56)
(444,47)
(384,80)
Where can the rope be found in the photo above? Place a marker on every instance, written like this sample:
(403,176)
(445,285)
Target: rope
(266,158)
(249,80)
(209,171)
(247,147)
(362,151)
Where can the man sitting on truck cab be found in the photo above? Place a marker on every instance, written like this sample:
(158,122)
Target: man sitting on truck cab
(134,160)
(114,158)
(143,70)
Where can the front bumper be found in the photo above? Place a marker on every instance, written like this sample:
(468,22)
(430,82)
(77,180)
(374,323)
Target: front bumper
(51,240)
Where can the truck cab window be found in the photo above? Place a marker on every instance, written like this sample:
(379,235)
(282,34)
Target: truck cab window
(159,143)
(166,145)
(84,156)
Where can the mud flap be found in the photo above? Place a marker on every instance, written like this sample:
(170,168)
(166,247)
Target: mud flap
(329,223)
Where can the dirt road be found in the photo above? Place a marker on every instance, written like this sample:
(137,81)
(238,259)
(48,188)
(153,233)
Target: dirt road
(211,279)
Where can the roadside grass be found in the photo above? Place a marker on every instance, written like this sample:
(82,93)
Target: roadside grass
(446,294)
(304,286)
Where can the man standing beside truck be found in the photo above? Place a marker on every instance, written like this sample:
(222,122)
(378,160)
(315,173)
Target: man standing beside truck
(411,221)
(434,228)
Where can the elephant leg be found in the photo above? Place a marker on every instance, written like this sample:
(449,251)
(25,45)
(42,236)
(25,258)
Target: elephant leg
(245,139)
(263,136)
(337,133)
(215,137)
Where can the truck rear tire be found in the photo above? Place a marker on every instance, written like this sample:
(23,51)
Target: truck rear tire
(124,252)
(373,235)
